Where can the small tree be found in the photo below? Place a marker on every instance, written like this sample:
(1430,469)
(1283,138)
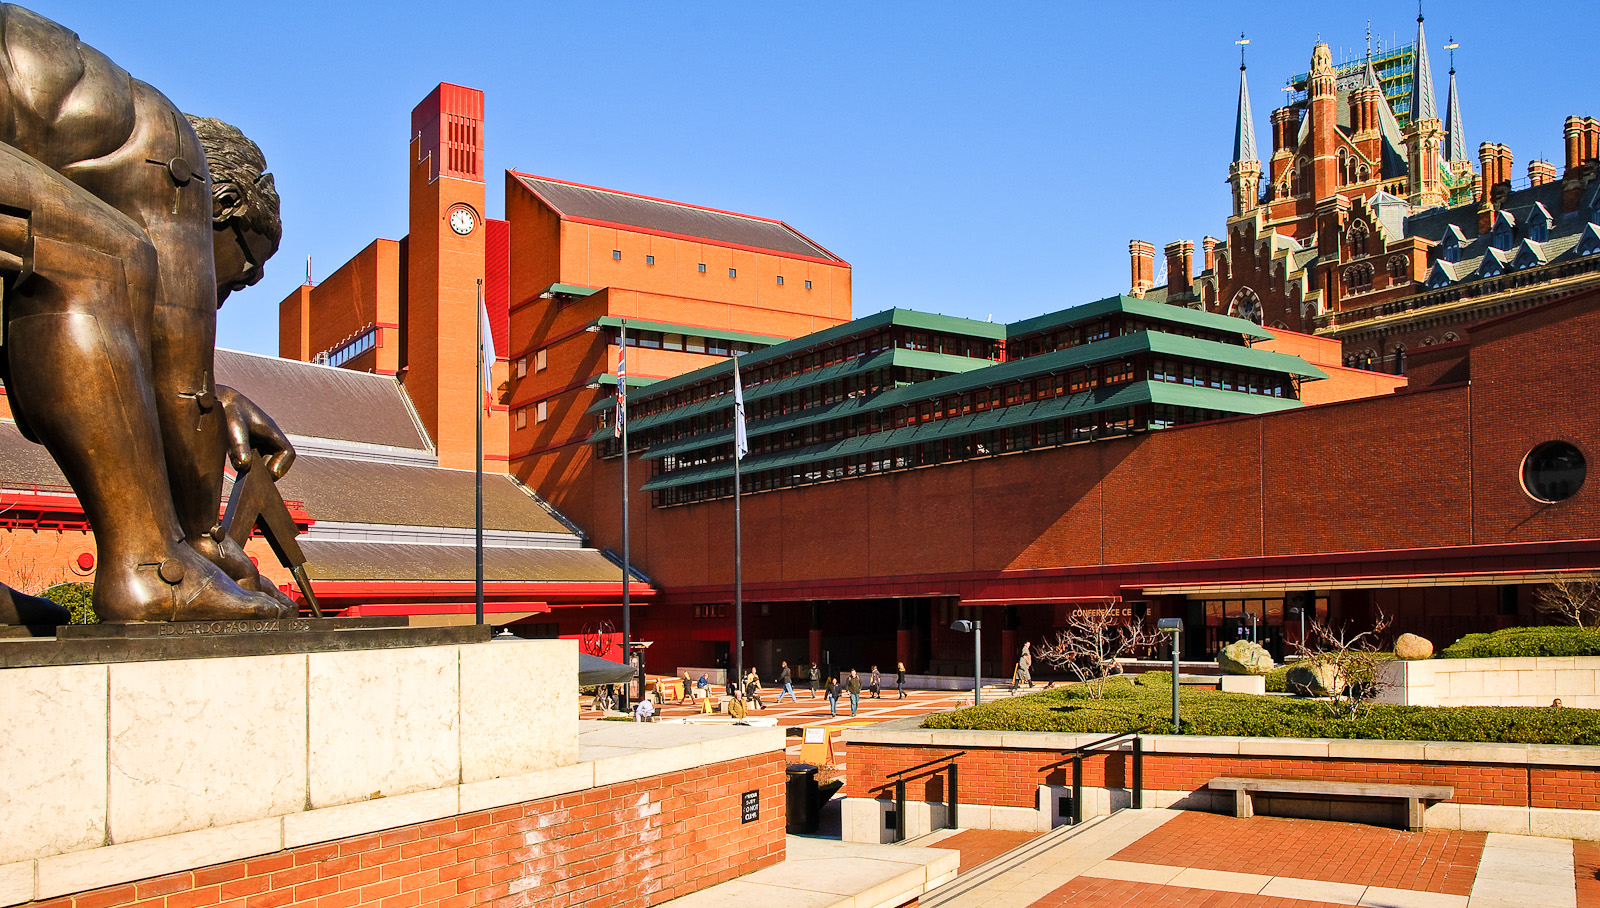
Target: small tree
(1091,644)
(1355,659)
(1575,602)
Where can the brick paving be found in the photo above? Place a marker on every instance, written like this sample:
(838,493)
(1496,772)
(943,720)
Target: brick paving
(1444,861)
(1586,867)
(1122,894)
(979,845)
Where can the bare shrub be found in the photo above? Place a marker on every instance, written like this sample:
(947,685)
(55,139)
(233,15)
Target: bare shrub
(1575,602)
(1091,644)
(1356,660)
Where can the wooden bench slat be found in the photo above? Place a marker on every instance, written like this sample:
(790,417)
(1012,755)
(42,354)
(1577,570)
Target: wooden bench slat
(1353,789)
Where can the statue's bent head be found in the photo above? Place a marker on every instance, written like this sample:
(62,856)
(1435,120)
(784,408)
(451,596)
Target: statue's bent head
(244,205)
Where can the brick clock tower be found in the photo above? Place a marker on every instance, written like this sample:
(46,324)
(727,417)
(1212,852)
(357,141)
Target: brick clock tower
(444,263)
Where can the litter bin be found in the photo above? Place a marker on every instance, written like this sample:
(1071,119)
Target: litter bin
(805,814)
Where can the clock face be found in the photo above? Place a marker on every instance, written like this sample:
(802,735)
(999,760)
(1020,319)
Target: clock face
(462,220)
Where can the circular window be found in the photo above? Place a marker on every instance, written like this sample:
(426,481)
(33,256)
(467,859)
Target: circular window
(1554,471)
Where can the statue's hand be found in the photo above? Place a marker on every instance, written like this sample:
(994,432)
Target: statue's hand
(251,430)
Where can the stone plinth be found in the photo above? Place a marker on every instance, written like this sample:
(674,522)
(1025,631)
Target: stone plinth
(213,752)
(1245,684)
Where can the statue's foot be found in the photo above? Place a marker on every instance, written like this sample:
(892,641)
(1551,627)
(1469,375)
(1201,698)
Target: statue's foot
(233,561)
(20,608)
(181,587)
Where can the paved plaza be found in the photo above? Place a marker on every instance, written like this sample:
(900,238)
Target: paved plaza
(1187,858)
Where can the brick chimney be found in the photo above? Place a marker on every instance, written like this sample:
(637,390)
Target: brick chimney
(1210,244)
(1180,267)
(1541,172)
(1143,259)
(1572,131)
(1591,139)
(1285,129)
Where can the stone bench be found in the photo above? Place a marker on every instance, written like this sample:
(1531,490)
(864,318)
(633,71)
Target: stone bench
(1414,796)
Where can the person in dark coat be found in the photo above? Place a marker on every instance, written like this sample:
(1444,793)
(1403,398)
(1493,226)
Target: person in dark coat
(786,681)
(853,685)
(876,684)
(833,696)
(816,678)
(900,679)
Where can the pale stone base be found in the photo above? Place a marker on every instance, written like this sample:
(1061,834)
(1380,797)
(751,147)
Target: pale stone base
(1245,684)
(1523,681)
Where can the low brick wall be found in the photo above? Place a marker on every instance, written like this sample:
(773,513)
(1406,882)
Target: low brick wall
(1522,681)
(633,843)
(1534,789)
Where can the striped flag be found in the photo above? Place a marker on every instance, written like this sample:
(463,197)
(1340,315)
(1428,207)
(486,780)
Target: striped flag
(622,390)
(741,444)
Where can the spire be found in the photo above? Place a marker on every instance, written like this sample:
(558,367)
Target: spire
(1244,129)
(1422,103)
(1369,78)
(1455,141)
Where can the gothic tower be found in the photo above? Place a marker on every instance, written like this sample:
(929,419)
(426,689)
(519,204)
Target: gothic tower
(1424,133)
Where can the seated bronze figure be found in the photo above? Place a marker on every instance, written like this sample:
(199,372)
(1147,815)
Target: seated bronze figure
(124,224)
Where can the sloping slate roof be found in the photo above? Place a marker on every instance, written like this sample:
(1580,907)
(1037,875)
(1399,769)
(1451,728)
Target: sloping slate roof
(592,203)
(354,491)
(1430,224)
(323,402)
(380,561)
(23,463)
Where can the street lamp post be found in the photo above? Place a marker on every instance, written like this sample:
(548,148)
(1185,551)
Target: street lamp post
(975,628)
(1173,626)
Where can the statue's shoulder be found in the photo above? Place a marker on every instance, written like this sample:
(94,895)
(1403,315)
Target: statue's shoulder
(52,84)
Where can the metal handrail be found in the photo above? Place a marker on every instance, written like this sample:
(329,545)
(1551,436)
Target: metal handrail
(911,772)
(1078,753)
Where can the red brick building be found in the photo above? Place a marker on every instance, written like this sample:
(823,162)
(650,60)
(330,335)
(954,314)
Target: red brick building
(1368,224)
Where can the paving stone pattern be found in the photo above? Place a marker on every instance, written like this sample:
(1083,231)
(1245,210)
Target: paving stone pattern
(979,845)
(1085,891)
(1435,861)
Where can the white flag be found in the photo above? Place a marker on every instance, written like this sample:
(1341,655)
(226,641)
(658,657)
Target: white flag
(486,352)
(741,444)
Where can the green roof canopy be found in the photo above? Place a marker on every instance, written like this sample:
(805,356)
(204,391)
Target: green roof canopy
(905,318)
(569,290)
(1129,305)
(1093,401)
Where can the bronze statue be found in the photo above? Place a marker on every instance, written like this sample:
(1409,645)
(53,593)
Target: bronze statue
(124,224)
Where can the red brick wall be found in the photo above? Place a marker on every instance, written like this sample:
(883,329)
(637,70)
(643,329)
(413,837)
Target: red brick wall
(604,847)
(1010,778)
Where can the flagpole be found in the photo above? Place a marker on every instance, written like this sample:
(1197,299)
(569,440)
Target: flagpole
(622,418)
(738,535)
(478,461)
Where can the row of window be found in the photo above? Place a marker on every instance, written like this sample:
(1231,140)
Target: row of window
(903,338)
(688,343)
(541,360)
(1051,433)
(351,349)
(540,410)
(1111,326)
(1202,375)
(616,256)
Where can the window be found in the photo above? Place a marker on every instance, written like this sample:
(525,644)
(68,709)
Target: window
(808,285)
(541,360)
(733,272)
(780,280)
(1554,471)
(649,260)
(540,412)
(672,342)
(702,267)
(522,417)
(522,366)
(616,255)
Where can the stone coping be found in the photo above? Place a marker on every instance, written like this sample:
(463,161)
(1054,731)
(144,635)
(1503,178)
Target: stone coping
(195,640)
(824,873)
(609,753)
(907,732)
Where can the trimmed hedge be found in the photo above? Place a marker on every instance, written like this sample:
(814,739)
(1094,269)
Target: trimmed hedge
(1147,706)
(1526,641)
(77,598)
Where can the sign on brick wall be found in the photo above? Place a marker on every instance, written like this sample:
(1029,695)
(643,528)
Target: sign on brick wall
(750,804)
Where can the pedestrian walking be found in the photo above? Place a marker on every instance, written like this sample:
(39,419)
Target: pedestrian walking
(900,679)
(854,687)
(688,689)
(876,685)
(816,676)
(1023,674)
(752,689)
(787,683)
(833,696)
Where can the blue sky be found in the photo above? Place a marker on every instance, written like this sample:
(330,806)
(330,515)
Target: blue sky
(980,159)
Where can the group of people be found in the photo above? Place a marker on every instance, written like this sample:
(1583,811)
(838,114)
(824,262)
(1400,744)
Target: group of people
(746,694)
